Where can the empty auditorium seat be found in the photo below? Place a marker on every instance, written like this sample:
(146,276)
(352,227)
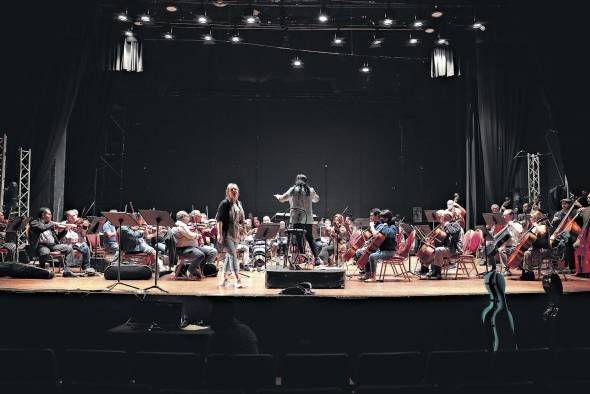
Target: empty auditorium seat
(182,370)
(382,369)
(95,366)
(452,367)
(316,370)
(248,371)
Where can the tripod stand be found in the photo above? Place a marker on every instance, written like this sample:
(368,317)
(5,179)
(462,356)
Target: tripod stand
(157,218)
(120,218)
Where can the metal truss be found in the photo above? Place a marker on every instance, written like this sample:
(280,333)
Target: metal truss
(3,145)
(534,176)
(24,190)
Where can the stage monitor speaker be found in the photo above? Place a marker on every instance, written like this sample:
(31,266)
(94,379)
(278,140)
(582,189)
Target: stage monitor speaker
(128,272)
(280,278)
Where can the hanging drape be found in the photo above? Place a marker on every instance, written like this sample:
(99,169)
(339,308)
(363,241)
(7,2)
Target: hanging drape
(443,63)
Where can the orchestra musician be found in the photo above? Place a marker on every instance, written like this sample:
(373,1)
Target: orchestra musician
(44,238)
(76,237)
(524,217)
(10,246)
(339,237)
(187,243)
(532,257)
(565,241)
(133,241)
(110,238)
(301,197)
(230,218)
(387,248)
(457,212)
(516,231)
(495,208)
(373,223)
(452,245)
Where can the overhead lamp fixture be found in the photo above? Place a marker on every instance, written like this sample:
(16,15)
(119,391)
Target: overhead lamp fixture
(429,30)
(171,7)
(413,40)
(252,17)
(235,37)
(168,35)
(418,23)
(203,19)
(145,17)
(386,21)
(377,40)
(296,63)
(436,13)
(338,40)
(323,17)
(208,38)
(128,32)
(478,26)
(122,16)
(442,41)
(365,68)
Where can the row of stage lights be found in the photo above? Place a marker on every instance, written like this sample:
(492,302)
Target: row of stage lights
(253,18)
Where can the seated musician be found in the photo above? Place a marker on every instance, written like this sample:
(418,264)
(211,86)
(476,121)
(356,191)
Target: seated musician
(524,217)
(280,242)
(533,256)
(457,212)
(338,233)
(10,246)
(151,237)
(43,239)
(266,219)
(495,208)
(133,241)
(387,247)
(565,241)
(76,237)
(373,222)
(187,242)
(516,231)
(110,238)
(452,245)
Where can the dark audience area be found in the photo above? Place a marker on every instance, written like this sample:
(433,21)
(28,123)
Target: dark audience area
(540,370)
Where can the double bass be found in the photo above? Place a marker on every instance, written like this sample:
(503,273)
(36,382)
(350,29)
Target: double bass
(582,250)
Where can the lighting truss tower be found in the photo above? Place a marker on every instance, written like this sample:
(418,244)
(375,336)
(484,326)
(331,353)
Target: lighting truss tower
(24,189)
(3,145)
(534,176)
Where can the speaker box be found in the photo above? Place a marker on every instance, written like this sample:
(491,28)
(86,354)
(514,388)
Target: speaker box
(128,272)
(99,263)
(280,278)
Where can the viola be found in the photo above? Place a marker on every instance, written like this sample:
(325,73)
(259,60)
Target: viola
(372,247)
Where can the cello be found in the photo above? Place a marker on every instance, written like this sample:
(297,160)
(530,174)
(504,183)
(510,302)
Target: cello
(568,224)
(534,232)
(372,246)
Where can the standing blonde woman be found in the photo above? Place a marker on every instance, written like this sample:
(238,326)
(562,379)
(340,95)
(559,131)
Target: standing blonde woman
(230,218)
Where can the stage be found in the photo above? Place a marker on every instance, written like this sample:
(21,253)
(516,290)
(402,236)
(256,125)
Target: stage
(254,286)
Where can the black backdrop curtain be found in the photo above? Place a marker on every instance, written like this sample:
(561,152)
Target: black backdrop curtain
(497,121)
(43,84)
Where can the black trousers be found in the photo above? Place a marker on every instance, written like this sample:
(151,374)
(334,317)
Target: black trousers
(308,238)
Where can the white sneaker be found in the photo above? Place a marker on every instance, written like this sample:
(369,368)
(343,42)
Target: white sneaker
(222,282)
(238,284)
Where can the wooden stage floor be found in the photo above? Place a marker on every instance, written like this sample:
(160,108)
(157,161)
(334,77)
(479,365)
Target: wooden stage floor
(254,286)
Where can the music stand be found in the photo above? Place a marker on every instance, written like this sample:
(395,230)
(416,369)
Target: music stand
(17,226)
(430,215)
(264,232)
(156,218)
(121,218)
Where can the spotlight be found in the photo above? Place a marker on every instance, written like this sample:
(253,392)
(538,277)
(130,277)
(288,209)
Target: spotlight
(365,69)
(208,38)
(386,21)
(235,38)
(442,41)
(168,35)
(377,39)
(122,16)
(478,26)
(323,17)
(429,30)
(338,40)
(418,23)
(171,7)
(296,62)
(252,17)
(436,13)
(145,17)
(203,19)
